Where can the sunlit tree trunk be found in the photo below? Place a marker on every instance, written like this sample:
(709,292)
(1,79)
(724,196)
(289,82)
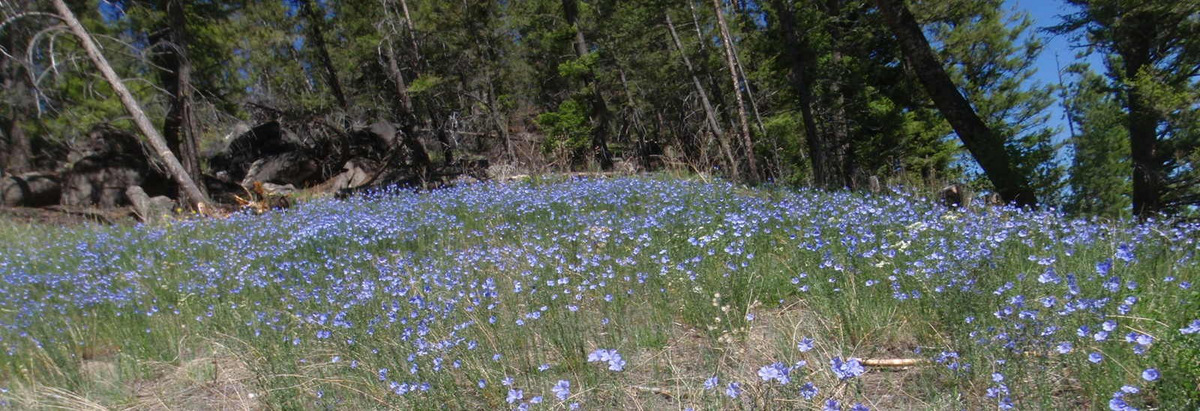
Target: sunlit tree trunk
(709,113)
(191,192)
(731,62)
(984,145)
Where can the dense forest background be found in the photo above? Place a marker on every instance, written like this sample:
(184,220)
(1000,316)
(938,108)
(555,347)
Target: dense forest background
(826,93)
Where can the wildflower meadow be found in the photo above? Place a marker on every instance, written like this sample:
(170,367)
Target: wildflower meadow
(628,293)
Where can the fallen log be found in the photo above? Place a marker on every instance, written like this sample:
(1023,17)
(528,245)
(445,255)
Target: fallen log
(894,362)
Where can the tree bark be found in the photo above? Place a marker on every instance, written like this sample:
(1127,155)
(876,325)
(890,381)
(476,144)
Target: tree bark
(402,105)
(316,34)
(987,149)
(840,156)
(412,32)
(801,58)
(1142,120)
(635,118)
(737,91)
(600,114)
(179,127)
(16,155)
(191,192)
(709,113)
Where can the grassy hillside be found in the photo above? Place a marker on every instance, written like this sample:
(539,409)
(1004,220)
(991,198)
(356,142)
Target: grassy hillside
(603,294)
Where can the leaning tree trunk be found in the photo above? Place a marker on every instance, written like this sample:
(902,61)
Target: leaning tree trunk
(600,114)
(984,145)
(317,36)
(635,118)
(179,126)
(709,113)
(715,87)
(402,105)
(191,192)
(737,91)
(435,121)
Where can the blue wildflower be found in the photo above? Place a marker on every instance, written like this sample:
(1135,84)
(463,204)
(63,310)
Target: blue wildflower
(612,357)
(846,369)
(808,391)
(733,390)
(805,344)
(562,390)
(514,395)
(777,371)
(1064,347)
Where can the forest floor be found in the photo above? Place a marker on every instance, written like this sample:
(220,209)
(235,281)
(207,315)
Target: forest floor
(634,293)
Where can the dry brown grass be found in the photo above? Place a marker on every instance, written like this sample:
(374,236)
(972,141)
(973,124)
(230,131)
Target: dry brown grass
(672,377)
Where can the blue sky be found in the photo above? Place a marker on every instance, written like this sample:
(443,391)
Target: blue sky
(1046,13)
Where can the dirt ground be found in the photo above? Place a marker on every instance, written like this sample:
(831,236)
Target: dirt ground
(66,216)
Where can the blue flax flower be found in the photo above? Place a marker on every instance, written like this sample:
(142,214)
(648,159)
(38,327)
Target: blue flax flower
(846,369)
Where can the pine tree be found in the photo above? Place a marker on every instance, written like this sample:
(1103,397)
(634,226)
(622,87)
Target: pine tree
(1154,52)
(990,54)
(1099,180)
(984,144)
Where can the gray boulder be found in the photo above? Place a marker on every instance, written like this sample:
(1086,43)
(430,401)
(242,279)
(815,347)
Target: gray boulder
(149,210)
(106,163)
(30,190)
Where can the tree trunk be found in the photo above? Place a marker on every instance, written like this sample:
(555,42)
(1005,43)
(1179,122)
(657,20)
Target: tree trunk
(635,118)
(772,154)
(571,12)
(179,128)
(987,149)
(709,113)
(801,57)
(1142,122)
(16,154)
(600,114)
(188,186)
(737,91)
(443,137)
(412,32)
(498,118)
(402,105)
(718,96)
(317,36)
(436,121)
(839,160)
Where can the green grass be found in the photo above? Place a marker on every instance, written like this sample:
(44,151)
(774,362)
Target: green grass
(685,280)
